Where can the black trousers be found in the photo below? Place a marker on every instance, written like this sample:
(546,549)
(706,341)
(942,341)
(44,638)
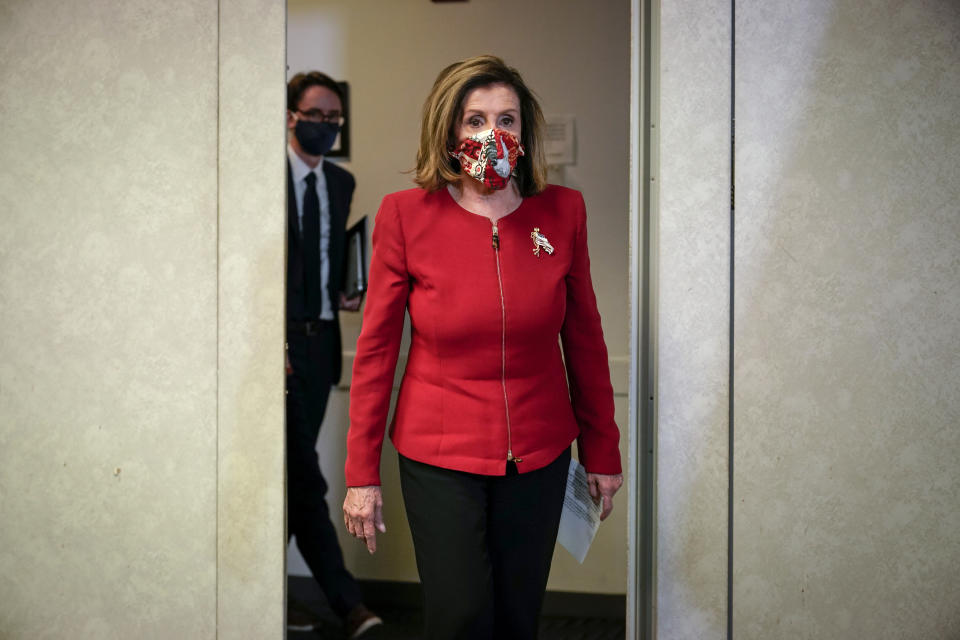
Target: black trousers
(484,545)
(308,517)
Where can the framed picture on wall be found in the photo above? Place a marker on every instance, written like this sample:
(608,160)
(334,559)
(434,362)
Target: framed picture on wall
(341,148)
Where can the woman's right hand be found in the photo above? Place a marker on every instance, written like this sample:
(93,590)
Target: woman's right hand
(363,514)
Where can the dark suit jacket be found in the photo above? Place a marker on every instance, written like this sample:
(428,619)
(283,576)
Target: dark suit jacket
(340,185)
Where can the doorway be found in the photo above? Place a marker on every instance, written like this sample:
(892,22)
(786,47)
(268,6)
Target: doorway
(389,57)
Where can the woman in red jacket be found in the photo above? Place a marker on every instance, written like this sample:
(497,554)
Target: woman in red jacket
(492,265)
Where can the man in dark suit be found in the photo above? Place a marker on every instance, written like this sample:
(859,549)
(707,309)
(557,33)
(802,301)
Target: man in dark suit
(319,194)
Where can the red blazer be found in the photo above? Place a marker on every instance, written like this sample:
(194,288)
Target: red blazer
(485,378)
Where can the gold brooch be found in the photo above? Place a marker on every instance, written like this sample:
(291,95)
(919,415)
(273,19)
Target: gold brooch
(540,242)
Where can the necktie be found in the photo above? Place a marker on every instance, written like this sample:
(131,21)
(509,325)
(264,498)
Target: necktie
(311,247)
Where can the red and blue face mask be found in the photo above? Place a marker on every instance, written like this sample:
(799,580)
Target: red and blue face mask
(489,156)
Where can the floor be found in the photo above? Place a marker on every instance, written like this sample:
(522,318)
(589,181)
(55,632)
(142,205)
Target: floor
(404,621)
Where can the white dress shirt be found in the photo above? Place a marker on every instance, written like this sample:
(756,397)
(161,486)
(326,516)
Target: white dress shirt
(300,169)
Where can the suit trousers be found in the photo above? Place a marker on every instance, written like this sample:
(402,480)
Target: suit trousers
(308,389)
(484,545)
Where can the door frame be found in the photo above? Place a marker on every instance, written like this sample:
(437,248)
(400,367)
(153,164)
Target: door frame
(644,209)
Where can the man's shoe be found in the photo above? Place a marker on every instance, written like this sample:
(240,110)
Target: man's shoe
(360,620)
(299,618)
(302,616)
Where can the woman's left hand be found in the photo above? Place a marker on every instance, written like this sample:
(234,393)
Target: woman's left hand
(602,488)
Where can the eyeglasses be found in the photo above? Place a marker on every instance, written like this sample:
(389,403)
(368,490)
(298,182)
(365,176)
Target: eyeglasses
(317,115)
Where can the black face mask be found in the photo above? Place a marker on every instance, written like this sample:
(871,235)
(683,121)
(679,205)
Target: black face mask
(316,138)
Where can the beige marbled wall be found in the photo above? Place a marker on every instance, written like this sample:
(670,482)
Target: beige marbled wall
(108,282)
(390,71)
(847,480)
(251,576)
(694,248)
(112,384)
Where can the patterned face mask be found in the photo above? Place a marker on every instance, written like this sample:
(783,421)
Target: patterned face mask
(489,156)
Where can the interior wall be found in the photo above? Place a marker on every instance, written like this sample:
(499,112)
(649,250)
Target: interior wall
(848,320)
(846,324)
(252,223)
(117,401)
(692,318)
(576,58)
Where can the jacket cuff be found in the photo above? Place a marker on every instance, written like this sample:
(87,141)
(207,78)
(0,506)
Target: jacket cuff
(363,473)
(597,457)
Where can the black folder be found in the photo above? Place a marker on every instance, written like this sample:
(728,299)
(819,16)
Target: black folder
(356,276)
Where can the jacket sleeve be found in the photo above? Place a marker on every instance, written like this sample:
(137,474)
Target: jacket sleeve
(585,355)
(377,348)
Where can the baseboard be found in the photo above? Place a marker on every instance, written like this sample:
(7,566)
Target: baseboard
(555,603)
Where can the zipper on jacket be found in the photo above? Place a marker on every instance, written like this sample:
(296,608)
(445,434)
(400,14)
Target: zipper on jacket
(503,345)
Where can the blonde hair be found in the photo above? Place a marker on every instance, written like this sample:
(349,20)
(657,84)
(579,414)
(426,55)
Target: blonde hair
(443,109)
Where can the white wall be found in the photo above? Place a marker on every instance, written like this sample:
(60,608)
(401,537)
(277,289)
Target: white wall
(141,444)
(575,55)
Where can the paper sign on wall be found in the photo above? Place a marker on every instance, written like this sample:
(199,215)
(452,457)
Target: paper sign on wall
(560,139)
